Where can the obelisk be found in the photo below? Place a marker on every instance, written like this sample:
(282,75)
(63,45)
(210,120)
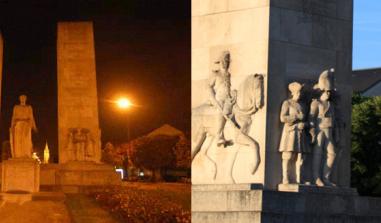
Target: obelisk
(78,124)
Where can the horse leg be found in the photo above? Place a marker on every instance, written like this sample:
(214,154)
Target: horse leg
(200,138)
(246,140)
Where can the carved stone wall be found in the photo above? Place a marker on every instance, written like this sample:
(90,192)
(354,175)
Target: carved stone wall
(77,89)
(286,41)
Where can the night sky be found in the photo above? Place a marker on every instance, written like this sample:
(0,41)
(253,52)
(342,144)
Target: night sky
(142,51)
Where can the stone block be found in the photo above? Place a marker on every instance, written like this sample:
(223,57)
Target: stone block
(223,203)
(20,175)
(295,27)
(307,62)
(290,4)
(345,9)
(315,7)
(315,189)
(86,174)
(230,28)
(48,174)
(207,7)
(325,31)
(246,4)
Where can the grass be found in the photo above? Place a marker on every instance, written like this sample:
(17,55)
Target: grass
(148,202)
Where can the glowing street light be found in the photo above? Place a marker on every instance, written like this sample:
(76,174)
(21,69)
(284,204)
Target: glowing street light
(123,103)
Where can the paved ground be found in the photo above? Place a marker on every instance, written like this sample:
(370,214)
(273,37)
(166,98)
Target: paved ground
(83,209)
(41,211)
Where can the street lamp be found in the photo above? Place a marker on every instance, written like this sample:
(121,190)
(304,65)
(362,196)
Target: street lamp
(124,103)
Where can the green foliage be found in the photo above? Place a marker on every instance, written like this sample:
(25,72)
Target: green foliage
(366,145)
(154,153)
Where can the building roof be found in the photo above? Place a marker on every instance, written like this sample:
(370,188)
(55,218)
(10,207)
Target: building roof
(364,79)
(166,130)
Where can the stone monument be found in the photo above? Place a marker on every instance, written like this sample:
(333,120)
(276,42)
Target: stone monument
(244,56)
(77,92)
(79,143)
(21,172)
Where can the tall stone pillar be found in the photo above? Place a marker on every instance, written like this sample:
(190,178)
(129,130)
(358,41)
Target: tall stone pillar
(282,41)
(78,124)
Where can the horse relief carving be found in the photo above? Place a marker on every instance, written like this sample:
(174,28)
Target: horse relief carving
(226,106)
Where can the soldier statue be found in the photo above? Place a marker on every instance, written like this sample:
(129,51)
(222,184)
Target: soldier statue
(324,131)
(293,144)
(221,95)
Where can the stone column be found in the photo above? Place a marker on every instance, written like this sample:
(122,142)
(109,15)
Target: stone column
(78,125)
(285,41)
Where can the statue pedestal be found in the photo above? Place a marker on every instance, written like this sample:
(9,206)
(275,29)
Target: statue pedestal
(20,174)
(76,176)
(245,203)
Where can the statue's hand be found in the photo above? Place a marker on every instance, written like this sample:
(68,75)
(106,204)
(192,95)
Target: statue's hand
(313,135)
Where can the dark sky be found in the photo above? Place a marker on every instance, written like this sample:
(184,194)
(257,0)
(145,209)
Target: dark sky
(142,51)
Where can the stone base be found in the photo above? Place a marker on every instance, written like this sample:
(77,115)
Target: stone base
(240,203)
(315,189)
(71,177)
(20,175)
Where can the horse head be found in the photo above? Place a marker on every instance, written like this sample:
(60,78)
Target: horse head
(250,94)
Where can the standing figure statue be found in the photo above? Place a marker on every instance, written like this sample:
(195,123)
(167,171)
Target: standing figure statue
(220,95)
(324,131)
(21,129)
(293,144)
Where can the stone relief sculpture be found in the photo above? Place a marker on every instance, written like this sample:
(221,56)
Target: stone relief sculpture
(220,95)
(293,145)
(225,105)
(323,130)
(81,144)
(21,129)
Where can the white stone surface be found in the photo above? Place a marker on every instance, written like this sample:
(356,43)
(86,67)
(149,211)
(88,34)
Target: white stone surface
(286,41)
(239,203)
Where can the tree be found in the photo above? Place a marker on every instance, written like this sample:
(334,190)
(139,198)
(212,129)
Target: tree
(154,153)
(366,145)
(112,155)
(182,151)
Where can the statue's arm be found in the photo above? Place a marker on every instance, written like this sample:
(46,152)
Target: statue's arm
(33,123)
(314,109)
(211,92)
(284,114)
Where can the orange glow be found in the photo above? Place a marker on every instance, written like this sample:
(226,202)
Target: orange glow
(124,103)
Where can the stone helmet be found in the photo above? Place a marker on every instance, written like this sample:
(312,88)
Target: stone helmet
(326,81)
(295,87)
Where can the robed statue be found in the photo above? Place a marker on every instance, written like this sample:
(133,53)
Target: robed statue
(21,129)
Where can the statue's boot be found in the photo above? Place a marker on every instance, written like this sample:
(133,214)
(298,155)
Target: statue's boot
(327,170)
(221,142)
(319,182)
(285,170)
